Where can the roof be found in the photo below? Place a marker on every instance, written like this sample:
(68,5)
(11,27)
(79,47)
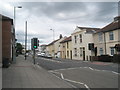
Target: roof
(89,28)
(52,42)
(5,18)
(112,26)
(66,39)
(43,45)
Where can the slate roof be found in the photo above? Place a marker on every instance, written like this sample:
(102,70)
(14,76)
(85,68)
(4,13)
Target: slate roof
(52,42)
(112,26)
(66,39)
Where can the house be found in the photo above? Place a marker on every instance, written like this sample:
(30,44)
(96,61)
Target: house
(50,48)
(66,48)
(82,39)
(53,48)
(58,46)
(108,38)
(8,39)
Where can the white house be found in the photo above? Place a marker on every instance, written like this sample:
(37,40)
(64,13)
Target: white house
(82,37)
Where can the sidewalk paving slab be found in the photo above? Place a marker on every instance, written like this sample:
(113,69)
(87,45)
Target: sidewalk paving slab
(24,74)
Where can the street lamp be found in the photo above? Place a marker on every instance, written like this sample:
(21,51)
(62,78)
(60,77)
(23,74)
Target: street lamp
(53,34)
(15,13)
(14,44)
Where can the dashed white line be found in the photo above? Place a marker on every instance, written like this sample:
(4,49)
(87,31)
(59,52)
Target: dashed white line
(87,67)
(52,60)
(62,77)
(115,72)
(91,68)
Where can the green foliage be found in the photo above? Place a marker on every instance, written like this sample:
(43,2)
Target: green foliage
(19,48)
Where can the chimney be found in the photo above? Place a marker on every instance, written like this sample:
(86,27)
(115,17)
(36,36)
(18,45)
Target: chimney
(60,36)
(117,18)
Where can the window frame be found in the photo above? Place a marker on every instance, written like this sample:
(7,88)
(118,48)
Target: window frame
(111,35)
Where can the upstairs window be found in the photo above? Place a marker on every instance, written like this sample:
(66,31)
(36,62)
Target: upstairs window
(75,39)
(100,37)
(80,38)
(111,35)
(67,45)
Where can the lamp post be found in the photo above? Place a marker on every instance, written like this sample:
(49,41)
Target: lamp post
(25,39)
(53,34)
(15,13)
(53,40)
(14,43)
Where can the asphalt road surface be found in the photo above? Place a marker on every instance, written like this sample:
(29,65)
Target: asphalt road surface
(83,74)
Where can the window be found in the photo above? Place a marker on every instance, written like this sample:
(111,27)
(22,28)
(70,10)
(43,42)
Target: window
(112,50)
(81,50)
(67,53)
(67,45)
(75,51)
(100,37)
(80,38)
(101,51)
(75,39)
(111,35)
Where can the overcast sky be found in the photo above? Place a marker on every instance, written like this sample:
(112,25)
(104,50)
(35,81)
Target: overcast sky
(62,17)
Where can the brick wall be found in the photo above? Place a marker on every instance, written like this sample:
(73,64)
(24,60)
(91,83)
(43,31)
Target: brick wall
(0,43)
(6,39)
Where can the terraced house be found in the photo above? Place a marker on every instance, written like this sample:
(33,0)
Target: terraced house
(66,48)
(53,48)
(108,39)
(82,39)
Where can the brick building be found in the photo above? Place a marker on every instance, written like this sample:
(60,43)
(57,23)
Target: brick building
(8,38)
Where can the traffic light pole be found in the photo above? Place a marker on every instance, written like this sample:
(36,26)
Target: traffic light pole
(34,56)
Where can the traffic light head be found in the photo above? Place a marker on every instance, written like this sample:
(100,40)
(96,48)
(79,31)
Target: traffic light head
(35,45)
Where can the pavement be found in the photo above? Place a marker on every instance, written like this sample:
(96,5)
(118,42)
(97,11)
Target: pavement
(24,74)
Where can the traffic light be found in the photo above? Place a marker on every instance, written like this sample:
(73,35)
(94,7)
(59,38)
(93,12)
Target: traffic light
(34,43)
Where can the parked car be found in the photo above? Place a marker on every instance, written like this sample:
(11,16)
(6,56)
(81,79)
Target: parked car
(39,54)
(48,56)
(42,54)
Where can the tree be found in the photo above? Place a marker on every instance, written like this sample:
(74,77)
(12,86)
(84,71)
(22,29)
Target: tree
(19,48)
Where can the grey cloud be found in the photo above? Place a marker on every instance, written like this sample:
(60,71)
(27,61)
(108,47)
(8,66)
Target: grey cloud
(51,9)
(21,36)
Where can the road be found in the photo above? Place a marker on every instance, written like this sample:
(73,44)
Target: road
(83,74)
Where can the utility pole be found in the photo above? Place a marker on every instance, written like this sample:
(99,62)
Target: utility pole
(25,39)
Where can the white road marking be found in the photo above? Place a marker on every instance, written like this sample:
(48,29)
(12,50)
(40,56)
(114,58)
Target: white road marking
(86,67)
(115,72)
(52,60)
(62,77)
(77,83)
(91,68)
